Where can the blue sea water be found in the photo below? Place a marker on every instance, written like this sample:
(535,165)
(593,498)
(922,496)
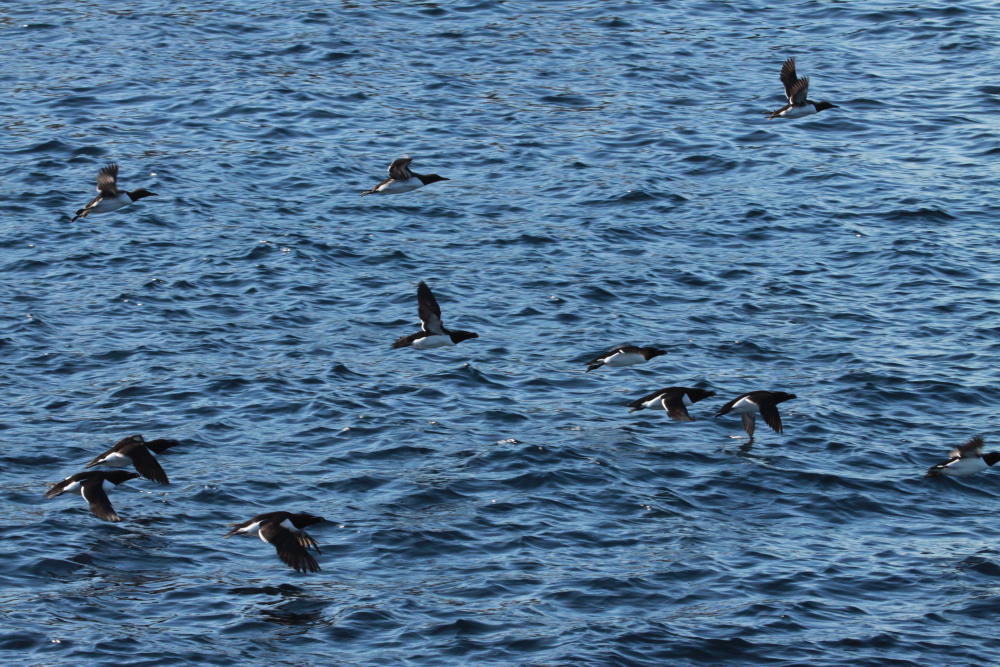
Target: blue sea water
(613,180)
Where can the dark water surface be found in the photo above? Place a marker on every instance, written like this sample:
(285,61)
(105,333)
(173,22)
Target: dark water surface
(613,179)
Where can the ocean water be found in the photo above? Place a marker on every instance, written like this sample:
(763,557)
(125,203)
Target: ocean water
(613,180)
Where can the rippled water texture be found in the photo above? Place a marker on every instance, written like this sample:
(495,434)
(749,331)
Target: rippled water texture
(613,180)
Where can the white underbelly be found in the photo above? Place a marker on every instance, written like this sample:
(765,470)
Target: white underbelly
(430,342)
(116,460)
(744,406)
(108,205)
(397,187)
(797,112)
(963,467)
(624,359)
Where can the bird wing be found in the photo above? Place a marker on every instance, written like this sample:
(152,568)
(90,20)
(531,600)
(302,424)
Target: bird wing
(673,403)
(799,91)
(777,113)
(306,540)
(289,547)
(938,469)
(147,465)
(92,491)
(375,188)
(400,169)
(749,423)
(769,411)
(107,181)
(117,476)
(303,519)
(597,362)
(428,310)
(160,445)
(406,341)
(972,448)
(788,76)
(82,213)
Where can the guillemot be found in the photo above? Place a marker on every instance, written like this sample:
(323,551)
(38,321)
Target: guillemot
(749,404)
(625,355)
(965,460)
(91,485)
(283,530)
(432,332)
(110,197)
(673,399)
(135,451)
(796,90)
(401,179)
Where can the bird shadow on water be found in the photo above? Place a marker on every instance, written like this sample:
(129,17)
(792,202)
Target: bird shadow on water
(293,607)
(745,448)
(756,457)
(982,562)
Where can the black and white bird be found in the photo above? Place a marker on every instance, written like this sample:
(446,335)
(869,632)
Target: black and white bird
(432,332)
(135,451)
(110,198)
(796,90)
(748,405)
(626,355)
(675,400)
(965,460)
(283,530)
(91,485)
(401,179)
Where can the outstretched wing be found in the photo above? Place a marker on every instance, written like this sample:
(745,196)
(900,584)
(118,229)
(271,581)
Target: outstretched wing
(974,447)
(82,213)
(399,170)
(788,76)
(107,180)
(800,90)
(428,310)
(147,465)
(306,540)
(290,549)
(92,491)
(162,444)
(769,411)
(673,403)
(375,188)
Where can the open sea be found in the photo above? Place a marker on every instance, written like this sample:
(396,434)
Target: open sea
(613,179)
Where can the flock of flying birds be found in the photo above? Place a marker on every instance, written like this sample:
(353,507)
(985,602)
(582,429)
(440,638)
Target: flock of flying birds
(285,530)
